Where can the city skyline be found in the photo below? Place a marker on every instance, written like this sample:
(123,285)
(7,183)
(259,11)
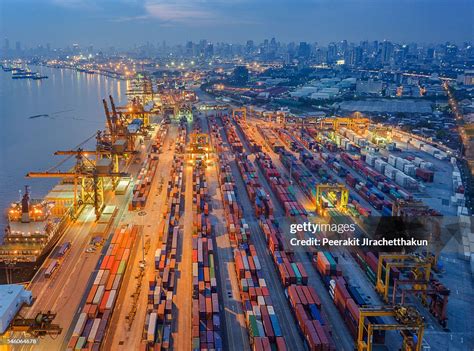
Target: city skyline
(128,22)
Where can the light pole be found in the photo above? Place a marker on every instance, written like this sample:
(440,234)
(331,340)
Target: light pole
(142,214)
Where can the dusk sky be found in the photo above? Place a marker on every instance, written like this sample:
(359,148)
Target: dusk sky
(122,23)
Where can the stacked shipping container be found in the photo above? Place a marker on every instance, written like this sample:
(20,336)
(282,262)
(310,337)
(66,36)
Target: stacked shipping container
(90,328)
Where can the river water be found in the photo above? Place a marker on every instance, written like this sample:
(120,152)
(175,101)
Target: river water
(72,102)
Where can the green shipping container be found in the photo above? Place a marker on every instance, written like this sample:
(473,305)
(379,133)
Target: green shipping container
(331,261)
(297,273)
(195,343)
(121,268)
(253,329)
(80,343)
(371,275)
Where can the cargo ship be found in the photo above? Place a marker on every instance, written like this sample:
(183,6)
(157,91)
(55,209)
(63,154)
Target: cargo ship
(33,229)
(26,74)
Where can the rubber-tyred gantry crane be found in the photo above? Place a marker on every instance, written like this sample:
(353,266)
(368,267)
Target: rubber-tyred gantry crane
(242,111)
(336,188)
(407,320)
(420,267)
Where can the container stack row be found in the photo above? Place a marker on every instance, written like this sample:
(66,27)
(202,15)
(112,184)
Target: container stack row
(375,178)
(142,186)
(206,317)
(262,322)
(270,138)
(254,146)
(157,333)
(91,326)
(232,137)
(303,299)
(280,186)
(346,297)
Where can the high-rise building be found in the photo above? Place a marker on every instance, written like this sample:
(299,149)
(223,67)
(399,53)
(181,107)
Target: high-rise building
(18,46)
(209,50)
(358,55)
(451,51)
(189,49)
(249,47)
(343,46)
(332,53)
(387,52)
(304,50)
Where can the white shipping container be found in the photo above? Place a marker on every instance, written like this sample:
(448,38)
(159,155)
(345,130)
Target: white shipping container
(392,159)
(93,332)
(157,296)
(256,312)
(151,327)
(380,165)
(409,169)
(426,165)
(401,179)
(417,161)
(98,294)
(257,263)
(370,159)
(390,172)
(110,301)
(80,324)
(98,277)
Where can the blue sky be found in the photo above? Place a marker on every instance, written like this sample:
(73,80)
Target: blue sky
(123,23)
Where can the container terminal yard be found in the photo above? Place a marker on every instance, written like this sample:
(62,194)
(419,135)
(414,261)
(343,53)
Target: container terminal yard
(176,232)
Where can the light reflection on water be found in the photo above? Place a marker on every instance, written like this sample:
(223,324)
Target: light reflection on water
(73,102)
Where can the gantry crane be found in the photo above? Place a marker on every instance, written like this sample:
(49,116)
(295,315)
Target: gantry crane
(242,111)
(131,111)
(408,321)
(379,134)
(336,188)
(199,143)
(123,127)
(420,268)
(434,295)
(116,125)
(88,177)
(41,325)
(355,123)
(416,211)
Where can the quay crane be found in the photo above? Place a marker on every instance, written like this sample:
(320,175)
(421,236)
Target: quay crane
(88,178)
(134,110)
(124,125)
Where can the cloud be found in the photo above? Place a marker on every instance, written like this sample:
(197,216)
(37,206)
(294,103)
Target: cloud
(77,4)
(180,12)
